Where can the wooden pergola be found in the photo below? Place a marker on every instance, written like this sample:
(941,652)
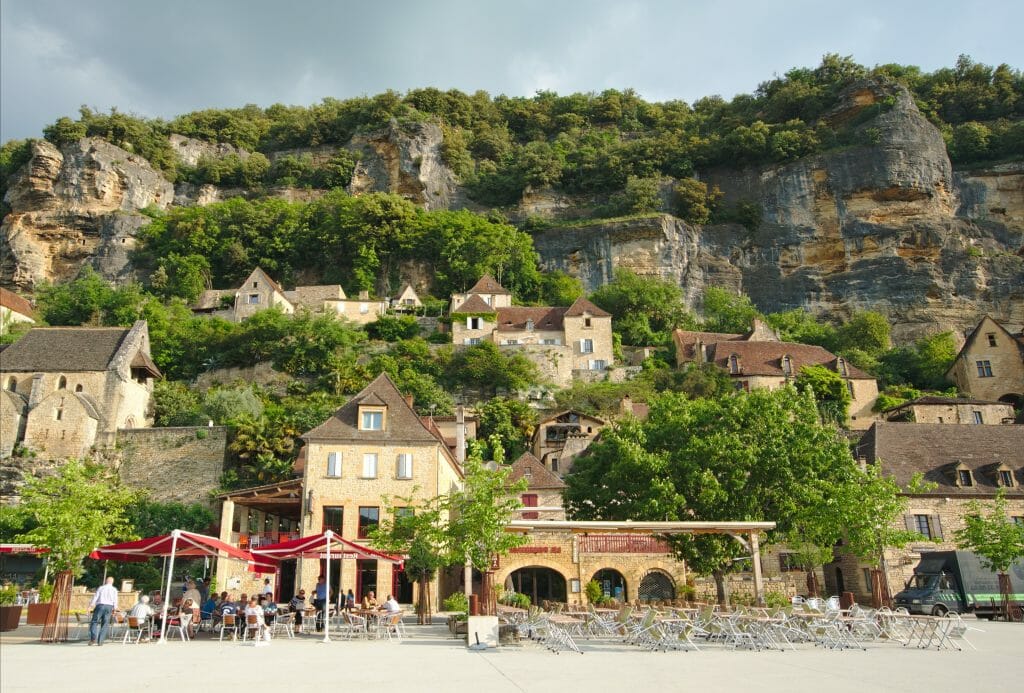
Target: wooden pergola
(746,533)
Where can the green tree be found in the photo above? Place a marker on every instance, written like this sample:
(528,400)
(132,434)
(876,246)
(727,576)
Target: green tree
(694,202)
(559,289)
(728,312)
(488,369)
(512,421)
(227,405)
(392,329)
(757,456)
(175,404)
(997,539)
(866,331)
(150,518)
(829,391)
(644,310)
(80,508)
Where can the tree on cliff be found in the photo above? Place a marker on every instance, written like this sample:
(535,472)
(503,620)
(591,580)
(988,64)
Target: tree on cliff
(757,456)
(644,310)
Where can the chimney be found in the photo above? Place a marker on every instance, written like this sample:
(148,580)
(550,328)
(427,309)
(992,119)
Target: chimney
(364,295)
(460,435)
(36,394)
(408,400)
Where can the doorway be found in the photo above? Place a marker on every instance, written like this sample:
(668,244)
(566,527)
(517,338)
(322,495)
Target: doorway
(612,583)
(840,587)
(539,584)
(286,581)
(366,578)
(401,586)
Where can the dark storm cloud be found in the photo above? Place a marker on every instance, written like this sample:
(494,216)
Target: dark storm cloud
(165,58)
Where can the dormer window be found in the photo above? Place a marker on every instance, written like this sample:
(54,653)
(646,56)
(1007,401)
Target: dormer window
(964,476)
(787,365)
(12,384)
(841,366)
(1004,477)
(529,325)
(371,418)
(734,364)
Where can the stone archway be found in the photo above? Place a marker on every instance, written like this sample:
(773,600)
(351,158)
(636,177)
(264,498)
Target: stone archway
(657,585)
(613,583)
(540,584)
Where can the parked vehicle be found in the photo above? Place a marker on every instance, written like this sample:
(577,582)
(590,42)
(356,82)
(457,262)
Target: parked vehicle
(957,581)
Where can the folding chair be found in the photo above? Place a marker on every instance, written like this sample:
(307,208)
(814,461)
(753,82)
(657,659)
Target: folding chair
(228,623)
(389,625)
(254,625)
(284,623)
(136,626)
(181,625)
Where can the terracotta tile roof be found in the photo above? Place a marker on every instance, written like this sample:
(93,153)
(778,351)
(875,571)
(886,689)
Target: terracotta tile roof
(474,304)
(538,477)
(313,297)
(14,302)
(935,450)
(52,349)
(765,358)
(142,361)
(544,318)
(403,425)
(487,285)
(685,340)
(581,306)
(211,298)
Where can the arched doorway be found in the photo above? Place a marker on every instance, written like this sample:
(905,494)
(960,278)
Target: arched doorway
(840,587)
(657,585)
(612,583)
(539,584)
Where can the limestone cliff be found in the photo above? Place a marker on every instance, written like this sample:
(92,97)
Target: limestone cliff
(75,206)
(883,226)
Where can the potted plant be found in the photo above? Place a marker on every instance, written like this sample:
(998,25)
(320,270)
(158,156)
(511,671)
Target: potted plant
(10,610)
(37,612)
(458,603)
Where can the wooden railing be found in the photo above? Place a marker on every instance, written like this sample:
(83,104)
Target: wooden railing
(623,544)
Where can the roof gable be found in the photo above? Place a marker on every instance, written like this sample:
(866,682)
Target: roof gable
(474,304)
(259,274)
(14,302)
(542,318)
(533,470)
(581,306)
(987,323)
(403,425)
(488,285)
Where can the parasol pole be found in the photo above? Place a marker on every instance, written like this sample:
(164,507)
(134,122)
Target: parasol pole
(167,596)
(327,602)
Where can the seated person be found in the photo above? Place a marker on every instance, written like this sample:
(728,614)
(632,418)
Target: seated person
(254,609)
(208,607)
(391,606)
(370,600)
(298,605)
(270,609)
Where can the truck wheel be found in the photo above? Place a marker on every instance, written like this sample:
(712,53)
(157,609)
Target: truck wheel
(939,610)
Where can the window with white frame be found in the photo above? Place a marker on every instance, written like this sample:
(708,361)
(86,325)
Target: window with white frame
(364,308)
(551,342)
(371,420)
(333,464)
(598,364)
(977,417)
(586,346)
(403,466)
(254,299)
(471,341)
(370,465)
(474,323)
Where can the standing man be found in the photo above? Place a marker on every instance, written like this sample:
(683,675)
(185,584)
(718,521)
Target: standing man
(102,606)
(320,601)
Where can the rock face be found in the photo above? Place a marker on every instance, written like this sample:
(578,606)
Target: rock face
(885,227)
(75,206)
(406,161)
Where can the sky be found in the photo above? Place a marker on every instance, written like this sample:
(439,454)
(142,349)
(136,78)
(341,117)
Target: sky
(161,59)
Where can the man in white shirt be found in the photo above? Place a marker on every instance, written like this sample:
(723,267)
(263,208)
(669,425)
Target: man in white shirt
(102,606)
(391,606)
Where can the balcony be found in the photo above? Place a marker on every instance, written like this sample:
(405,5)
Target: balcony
(623,544)
(255,541)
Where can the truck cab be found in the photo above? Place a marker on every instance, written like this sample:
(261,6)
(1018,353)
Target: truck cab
(932,593)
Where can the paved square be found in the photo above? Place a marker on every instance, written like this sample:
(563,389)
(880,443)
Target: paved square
(430,661)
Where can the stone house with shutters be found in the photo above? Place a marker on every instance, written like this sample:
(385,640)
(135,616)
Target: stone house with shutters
(758,359)
(543,489)
(561,437)
(259,291)
(990,365)
(951,410)
(566,343)
(407,300)
(961,463)
(68,389)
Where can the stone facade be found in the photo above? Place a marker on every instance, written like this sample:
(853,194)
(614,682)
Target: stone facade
(990,366)
(951,410)
(561,437)
(175,464)
(72,388)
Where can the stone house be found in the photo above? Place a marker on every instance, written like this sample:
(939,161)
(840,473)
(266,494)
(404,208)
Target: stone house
(951,410)
(563,436)
(758,359)
(963,463)
(67,389)
(259,292)
(990,365)
(543,489)
(566,343)
(13,309)
(407,300)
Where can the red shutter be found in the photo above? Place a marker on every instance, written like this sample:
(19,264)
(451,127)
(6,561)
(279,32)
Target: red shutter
(530,501)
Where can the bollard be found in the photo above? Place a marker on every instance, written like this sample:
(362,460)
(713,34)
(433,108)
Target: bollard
(474,605)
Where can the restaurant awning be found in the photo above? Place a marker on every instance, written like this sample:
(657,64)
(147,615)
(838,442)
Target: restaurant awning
(315,546)
(177,543)
(23,548)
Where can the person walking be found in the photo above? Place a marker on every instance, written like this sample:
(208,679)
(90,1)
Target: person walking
(102,606)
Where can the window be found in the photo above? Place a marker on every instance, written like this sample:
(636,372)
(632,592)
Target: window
(474,323)
(741,386)
(62,383)
(371,420)
(472,341)
(598,364)
(511,342)
(787,365)
(927,525)
(991,338)
(964,478)
(849,388)
(364,308)
(984,369)
(333,516)
(370,465)
(1005,477)
(255,285)
(788,563)
(253,299)
(368,520)
(551,342)
(554,464)
(333,464)
(1018,520)
(586,346)
(841,366)
(403,466)
(921,525)
(867,579)
(79,387)
(734,364)
(530,501)
(977,417)
(59,414)
(586,322)
(12,383)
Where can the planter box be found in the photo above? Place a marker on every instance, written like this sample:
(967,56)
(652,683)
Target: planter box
(37,614)
(10,616)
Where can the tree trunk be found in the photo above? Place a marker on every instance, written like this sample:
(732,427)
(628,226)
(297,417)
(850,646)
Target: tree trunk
(55,629)
(812,582)
(423,611)
(721,589)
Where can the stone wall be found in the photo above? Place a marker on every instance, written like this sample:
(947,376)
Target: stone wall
(180,464)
